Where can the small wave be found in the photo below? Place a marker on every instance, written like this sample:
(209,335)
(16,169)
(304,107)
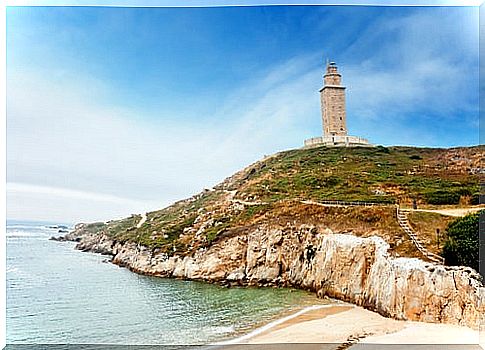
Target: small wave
(27,227)
(222,329)
(12,269)
(21,233)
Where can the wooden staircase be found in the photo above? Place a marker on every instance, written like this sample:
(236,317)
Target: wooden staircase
(402,218)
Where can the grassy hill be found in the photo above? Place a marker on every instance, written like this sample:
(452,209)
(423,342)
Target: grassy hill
(271,191)
(380,174)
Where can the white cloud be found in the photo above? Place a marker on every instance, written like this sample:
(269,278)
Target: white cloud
(429,69)
(14,187)
(64,133)
(63,204)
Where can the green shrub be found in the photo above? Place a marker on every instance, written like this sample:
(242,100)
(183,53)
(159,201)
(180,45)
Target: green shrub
(213,232)
(383,149)
(461,244)
(475,200)
(463,191)
(442,197)
(176,230)
(332,181)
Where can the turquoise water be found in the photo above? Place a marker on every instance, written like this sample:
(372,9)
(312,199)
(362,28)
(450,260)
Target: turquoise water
(59,295)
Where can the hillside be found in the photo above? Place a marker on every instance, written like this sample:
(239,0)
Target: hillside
(267,225)
(271,192)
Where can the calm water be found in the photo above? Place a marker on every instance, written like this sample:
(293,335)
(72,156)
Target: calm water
(56,294)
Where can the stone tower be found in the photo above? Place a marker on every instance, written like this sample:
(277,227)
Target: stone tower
(332,101)
(334,116)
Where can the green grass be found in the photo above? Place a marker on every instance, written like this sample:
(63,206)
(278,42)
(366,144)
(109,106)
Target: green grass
(213,232)
(352,174)
(243,218)
(124,229)
(94,227)
(425,224)
(379,174)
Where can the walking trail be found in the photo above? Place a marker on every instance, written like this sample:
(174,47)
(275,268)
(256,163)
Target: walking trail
(142,220)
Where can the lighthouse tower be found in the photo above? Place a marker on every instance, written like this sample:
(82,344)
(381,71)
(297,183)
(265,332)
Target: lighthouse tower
(334,116)
(332,99)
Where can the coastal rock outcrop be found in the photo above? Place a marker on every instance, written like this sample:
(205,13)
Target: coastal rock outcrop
(346,267)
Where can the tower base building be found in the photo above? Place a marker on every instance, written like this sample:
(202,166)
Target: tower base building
(334,116)
(337,141)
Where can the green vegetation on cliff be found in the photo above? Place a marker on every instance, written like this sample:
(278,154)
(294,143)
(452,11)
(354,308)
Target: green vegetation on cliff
(366,174)
(271,192)
(461,245)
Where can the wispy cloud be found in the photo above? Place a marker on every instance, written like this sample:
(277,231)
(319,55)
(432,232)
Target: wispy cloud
(14,187)
(423,79)
(74,154)
(34,202)
(62,136)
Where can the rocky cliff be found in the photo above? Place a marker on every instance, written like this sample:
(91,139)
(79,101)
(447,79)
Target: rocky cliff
(265,226)
(354,269)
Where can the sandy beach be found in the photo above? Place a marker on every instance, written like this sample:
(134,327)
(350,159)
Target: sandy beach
(346,326)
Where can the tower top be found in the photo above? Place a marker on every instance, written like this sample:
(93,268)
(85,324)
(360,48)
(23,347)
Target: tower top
(332,77)
(332,68)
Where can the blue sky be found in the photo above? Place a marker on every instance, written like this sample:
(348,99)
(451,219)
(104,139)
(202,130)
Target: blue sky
(118,110)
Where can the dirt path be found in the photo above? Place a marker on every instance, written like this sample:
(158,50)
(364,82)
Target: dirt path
(142,220)
(456,212)
(451,212)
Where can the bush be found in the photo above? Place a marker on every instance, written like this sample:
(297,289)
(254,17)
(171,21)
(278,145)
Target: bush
(332,181)
(475,200)
(463,191)
(461,244)
(383,149)
(442,197)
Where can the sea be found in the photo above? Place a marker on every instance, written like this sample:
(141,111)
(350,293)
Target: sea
(59,295)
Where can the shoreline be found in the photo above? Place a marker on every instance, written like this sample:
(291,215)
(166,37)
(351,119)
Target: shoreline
(321,263)
(352,327)
(269,327)
(348,325)
(345,255)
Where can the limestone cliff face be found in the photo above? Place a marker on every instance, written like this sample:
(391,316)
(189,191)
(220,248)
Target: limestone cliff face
(346,267)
